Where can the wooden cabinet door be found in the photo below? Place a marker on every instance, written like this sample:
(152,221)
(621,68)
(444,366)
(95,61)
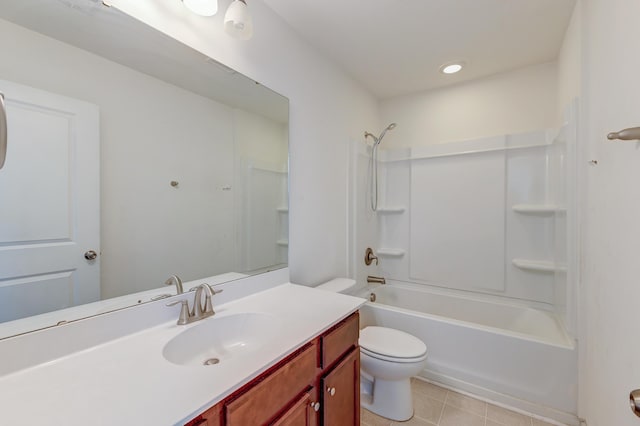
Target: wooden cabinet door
(300,414)
(341,393)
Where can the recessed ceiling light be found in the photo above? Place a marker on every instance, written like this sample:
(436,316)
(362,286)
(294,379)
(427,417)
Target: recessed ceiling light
(451,68)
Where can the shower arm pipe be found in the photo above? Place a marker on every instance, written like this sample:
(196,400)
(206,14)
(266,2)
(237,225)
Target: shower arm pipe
(3,131)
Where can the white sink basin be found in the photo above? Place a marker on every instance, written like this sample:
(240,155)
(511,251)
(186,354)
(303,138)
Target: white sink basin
(216,339)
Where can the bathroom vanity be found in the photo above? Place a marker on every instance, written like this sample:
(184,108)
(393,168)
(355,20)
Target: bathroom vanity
(286,355)
(317,384)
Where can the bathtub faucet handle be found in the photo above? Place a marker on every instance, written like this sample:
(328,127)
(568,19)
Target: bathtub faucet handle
(369,256)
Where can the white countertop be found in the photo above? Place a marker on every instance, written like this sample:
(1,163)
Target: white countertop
(128,381)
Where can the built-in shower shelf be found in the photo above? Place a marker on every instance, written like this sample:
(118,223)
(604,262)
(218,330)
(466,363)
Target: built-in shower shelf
(282,209)
(538,209)
(538,265)
(283,243)
(390,252)
(391,210)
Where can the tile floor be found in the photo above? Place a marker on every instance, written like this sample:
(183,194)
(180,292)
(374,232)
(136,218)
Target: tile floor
(436,406)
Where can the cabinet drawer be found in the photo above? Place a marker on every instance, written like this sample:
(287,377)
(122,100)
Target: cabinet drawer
(340,340)
(263,401)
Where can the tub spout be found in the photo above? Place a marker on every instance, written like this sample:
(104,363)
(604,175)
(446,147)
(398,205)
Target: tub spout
(377,280)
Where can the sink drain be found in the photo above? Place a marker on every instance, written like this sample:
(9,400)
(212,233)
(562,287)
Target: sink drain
(211,361)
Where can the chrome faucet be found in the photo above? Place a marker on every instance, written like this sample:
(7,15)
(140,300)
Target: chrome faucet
(377,280)
(175,280)
(201,309)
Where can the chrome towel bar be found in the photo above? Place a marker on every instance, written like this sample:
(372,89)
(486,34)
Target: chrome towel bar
(3,131)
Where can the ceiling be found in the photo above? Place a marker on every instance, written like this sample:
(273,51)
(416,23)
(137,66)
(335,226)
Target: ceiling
(395,47)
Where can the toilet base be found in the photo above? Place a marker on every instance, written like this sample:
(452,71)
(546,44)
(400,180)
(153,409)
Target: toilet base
(391,399)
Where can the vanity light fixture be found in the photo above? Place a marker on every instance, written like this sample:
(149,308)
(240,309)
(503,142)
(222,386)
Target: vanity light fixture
(452,67)
(237,20)
(202,7)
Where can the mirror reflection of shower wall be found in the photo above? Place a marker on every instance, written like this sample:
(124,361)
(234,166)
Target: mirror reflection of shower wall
(170,188)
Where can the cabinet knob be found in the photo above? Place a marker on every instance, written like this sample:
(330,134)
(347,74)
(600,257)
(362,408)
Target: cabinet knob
(331,391)
(315,406)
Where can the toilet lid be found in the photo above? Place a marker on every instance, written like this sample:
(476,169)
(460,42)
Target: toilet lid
(390,342)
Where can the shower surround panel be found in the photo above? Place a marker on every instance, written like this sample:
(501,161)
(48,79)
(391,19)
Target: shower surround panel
(461,228)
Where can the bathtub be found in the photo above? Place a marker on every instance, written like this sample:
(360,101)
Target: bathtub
(507,353)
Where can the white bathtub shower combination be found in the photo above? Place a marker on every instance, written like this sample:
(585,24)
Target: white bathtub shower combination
(511,354)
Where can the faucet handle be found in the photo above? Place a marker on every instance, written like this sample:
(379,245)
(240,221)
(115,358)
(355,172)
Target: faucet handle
(174,279)
(184,311)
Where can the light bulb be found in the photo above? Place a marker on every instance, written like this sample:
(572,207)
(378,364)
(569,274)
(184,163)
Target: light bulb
(237,21)
(202,7)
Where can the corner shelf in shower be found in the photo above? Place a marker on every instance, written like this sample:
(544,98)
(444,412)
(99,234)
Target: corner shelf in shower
(282,209)
(538,265)
(538,209)
(283,243)
(391,210)
(390,252)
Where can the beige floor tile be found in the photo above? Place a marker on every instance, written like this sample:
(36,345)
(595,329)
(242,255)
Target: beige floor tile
(452,416)
(370,419)
(428,389)
(414,421)
(506,417)
(466,403)
(492,423)
(427,408)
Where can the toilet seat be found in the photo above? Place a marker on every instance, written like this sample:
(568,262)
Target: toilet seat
(391,345)
(381,357)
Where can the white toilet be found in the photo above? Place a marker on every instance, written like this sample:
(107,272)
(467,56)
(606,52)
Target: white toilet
(388,360)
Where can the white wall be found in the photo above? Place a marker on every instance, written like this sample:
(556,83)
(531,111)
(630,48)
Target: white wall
(512,102)
(328,109)
(570,63)
(610,291)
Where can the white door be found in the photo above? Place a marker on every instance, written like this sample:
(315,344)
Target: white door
(49,203)
(610,350)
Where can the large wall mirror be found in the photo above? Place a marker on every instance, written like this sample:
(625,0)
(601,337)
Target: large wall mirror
(131,158)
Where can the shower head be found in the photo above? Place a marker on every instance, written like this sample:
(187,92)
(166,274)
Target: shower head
(389,127)
(377,140)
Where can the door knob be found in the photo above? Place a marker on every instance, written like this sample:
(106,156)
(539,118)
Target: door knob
(331,391)
(315,406)
(90,255)
(634,401)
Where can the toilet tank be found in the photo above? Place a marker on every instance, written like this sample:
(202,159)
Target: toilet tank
(338,285)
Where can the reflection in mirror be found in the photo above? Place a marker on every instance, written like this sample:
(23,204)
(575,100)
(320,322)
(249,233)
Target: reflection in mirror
(127,144)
